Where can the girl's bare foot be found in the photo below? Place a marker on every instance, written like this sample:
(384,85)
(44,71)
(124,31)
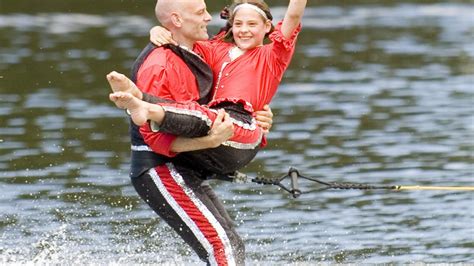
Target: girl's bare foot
(137,108)
(120,83)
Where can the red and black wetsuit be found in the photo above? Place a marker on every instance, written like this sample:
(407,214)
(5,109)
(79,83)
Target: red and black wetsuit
(176,191)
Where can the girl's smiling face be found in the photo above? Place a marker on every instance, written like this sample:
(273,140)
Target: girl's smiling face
(249,28)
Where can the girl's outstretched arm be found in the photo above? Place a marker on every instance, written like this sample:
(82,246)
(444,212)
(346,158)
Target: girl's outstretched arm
(293,16)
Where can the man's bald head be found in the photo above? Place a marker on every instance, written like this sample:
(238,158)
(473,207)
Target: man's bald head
(185,19)
(164,9)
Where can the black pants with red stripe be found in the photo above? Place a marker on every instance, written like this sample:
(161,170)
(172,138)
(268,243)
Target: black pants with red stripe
(181,197)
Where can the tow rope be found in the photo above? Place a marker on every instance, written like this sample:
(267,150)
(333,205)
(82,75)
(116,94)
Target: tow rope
(293,188)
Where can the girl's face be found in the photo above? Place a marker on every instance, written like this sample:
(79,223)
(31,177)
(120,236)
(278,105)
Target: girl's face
(249,28)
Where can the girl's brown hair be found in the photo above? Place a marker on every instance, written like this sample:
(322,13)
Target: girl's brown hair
(259,3)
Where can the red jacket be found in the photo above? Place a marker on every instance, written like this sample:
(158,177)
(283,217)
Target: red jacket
(164,74)
(251,79)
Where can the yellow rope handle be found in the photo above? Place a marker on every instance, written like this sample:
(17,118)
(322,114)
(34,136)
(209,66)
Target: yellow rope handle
(431,188)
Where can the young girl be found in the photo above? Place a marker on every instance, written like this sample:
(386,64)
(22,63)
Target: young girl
(246,72)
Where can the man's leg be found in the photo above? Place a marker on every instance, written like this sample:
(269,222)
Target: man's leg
(239,246)
(177,196)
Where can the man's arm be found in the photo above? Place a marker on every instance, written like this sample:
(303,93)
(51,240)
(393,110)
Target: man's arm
(221,130)
(169,145)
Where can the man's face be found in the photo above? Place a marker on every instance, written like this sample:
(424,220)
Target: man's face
(195,19)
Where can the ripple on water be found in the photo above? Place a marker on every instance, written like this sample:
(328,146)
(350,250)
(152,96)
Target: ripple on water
(384,95)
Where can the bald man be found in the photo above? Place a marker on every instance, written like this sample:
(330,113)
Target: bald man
(175,190)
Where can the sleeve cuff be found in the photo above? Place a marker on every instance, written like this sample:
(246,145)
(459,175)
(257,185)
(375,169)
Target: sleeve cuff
(288,43)
(159,142)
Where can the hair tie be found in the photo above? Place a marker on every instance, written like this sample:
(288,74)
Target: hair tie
(225,13)
(254,7)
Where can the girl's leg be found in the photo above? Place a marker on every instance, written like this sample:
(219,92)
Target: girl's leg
(223,160)
(192,120)
(188,119)
(140,111)
(232,155)
(120,83)
(182,119)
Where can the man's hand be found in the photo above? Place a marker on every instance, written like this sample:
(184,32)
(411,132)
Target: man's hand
(222,129)
(264,118)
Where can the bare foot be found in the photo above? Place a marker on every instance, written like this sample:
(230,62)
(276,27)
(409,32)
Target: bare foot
(120,83)
(137,108)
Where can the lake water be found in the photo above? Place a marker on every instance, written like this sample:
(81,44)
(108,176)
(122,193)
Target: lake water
(378,92)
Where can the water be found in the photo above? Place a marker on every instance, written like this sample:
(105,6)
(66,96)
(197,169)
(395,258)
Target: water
(378,92)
